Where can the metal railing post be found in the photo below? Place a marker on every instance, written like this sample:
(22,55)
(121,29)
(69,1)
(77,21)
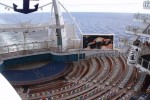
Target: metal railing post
(142,62)
(7,49)
(148,65)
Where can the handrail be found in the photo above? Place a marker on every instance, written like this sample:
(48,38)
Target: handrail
(142,16)
(146,4)
(142,62)
(132,28)
(33,46)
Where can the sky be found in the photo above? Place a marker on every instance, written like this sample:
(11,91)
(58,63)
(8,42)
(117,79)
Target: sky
(126,6)
(104,5)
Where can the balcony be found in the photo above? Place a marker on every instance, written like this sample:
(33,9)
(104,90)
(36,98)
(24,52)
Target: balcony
(133,29)
(138,30)
(142,17)
(146,4)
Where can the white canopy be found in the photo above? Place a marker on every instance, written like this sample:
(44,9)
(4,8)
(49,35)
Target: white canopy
(7,92)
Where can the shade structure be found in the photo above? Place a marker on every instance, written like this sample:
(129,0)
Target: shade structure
(7,91)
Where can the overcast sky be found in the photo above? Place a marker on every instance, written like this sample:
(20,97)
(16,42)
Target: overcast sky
(129,6)
(104,5)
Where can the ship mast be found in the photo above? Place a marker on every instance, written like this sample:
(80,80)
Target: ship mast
(60,32)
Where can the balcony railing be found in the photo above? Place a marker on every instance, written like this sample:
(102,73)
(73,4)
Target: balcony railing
(143,17)
(146,4)
(134,29)
(144,63)
(137,30)
(44,45)
(27,46)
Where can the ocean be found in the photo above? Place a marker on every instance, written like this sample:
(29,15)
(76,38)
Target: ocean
(90,23)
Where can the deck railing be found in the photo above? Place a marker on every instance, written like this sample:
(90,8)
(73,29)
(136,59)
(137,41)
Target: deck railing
(143,17)
(134,29)
(144,63)
(49,45)
(146,4)
(26,46)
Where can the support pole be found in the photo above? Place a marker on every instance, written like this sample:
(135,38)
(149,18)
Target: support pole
(58,30)
(25,40)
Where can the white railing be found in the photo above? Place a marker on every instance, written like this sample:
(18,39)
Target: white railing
(146,4)
(26,46)
(136,42)
(143,17)
(134,29)
(125,42)
(49,45)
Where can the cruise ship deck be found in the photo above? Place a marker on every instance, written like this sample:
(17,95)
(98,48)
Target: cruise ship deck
(51,61)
